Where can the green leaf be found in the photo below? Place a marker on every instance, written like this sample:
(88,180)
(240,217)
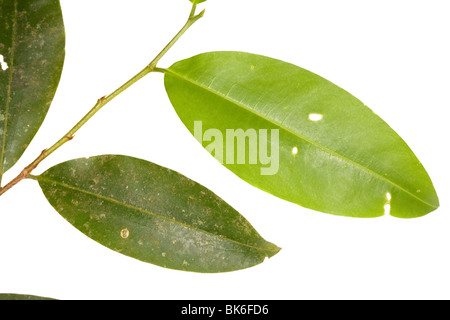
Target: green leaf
(13,296)
(32,45)
(153,214)
(334,154)
(197,1)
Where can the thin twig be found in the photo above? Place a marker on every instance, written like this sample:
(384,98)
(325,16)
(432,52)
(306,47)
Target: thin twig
(25,173)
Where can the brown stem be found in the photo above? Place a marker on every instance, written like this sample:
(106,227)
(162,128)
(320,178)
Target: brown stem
(102,102)
(25,173)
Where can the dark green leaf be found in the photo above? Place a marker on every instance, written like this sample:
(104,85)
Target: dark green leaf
(335,154)
(32,44)
(153,214)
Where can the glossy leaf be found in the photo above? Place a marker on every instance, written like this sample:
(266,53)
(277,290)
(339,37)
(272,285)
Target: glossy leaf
(32,45)
(153,214)
(335,154)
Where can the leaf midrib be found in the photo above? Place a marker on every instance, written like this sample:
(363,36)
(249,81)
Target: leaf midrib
(312,142)
(8,92)
(129,206)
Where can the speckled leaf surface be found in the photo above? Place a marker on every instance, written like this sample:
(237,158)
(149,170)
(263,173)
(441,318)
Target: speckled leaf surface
(335,154)
(32,45)
(153,214)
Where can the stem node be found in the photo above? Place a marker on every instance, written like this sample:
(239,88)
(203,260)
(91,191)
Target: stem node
(26,172)
(101,100)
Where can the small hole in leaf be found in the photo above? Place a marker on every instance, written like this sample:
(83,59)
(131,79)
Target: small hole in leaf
(315,117)
(294,151)
(387,206)
(3,64)
(387,209)
(388,196)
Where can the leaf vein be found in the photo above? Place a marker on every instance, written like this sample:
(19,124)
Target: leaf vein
(310,141)
(129,206)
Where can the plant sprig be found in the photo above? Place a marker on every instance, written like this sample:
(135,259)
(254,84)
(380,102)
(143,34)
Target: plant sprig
(151,67)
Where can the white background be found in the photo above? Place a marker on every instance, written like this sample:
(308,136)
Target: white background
(391,54)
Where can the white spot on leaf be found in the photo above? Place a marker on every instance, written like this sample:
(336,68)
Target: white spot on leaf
(387,209)
(387,206)
(315,117)
(3,64)
(294,151)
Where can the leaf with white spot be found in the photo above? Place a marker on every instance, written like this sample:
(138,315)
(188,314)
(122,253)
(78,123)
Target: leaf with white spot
(153,214)
(301,137)
(32,44)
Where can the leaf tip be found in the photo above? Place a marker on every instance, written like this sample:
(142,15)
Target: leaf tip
(272,250)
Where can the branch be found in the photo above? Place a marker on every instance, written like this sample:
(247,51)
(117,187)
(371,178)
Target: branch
(102,102)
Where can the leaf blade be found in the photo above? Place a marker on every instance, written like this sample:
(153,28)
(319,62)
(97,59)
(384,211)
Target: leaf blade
(32,41)
(345,162)
(153,214)
(19,297)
